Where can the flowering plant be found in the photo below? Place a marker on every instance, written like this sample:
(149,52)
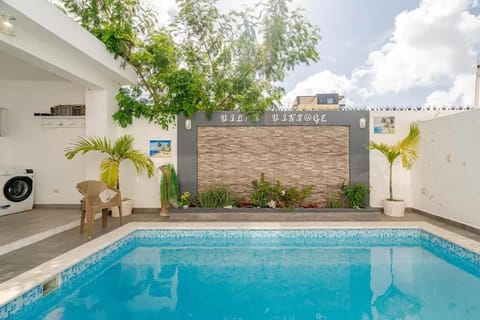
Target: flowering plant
(274,195)
(185,198)
(272,204)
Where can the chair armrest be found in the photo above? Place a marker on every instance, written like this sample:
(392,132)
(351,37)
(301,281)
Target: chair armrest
(117,196)
(83,193)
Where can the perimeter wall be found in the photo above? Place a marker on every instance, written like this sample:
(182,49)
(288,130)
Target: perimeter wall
(445,177)
(379,171)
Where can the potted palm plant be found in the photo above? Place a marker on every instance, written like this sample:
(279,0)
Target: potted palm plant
(406,150)
(121,149)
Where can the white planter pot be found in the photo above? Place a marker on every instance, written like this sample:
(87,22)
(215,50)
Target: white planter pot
(394,208)
(127,205)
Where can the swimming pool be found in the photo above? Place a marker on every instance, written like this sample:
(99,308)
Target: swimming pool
(330,271)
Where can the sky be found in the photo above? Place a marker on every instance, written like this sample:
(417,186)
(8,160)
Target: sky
(384,52)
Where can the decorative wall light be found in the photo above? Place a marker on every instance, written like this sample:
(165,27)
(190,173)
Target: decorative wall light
(188,124)
(6,24)
(362,123)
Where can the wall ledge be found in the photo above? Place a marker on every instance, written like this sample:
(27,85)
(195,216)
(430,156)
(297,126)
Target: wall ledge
(450,222)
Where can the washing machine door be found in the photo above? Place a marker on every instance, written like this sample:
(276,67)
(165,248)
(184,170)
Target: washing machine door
(17,189)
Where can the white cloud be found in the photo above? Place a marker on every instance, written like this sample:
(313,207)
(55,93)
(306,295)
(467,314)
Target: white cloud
(433,41)
(461,92)
(438,41)
(323,82)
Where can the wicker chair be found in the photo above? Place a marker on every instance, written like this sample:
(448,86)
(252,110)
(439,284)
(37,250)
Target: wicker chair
(97,197)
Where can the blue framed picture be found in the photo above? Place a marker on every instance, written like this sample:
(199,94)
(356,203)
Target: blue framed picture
(384,125)
(160,148)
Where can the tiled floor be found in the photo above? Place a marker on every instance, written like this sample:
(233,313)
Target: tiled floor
(61,225)
(17,230)
(22,225)
(14,228)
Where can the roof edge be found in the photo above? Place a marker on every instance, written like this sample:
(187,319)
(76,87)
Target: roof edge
(47,16)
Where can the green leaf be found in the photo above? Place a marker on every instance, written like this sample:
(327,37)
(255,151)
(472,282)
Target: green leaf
(120,150)
(109,169)
(205,60)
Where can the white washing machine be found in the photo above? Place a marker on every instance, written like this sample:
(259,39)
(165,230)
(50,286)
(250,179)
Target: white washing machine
(16,190)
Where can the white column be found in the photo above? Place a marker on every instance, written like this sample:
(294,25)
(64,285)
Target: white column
(100,106)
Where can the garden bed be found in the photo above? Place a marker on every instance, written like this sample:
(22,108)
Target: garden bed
(268,214)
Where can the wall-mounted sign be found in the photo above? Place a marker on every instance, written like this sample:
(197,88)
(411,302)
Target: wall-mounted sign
(160,148)
(384,125)
(279,117)
(314,117)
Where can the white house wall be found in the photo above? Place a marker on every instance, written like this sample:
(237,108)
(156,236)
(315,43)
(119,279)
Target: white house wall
(28,144)
(445,177)
(145,191)
(379,170)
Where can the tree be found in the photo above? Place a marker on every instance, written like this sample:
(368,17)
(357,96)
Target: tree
(205,60)
(243,55)
(164,89)
(118,24)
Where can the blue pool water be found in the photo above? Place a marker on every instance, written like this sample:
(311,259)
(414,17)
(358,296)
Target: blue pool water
(365,275)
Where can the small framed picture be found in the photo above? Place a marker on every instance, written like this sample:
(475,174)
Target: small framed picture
(384,125)
(160,148)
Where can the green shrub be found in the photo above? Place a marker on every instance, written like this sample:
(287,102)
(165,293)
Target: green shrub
(262,191)
(333,203)
(355,194)
(215,197)
(293,197)
(266,194)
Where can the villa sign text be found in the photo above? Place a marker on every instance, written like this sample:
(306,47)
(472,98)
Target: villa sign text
(279,117)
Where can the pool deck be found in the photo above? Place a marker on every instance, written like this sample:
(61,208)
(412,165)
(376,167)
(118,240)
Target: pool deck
(31,238)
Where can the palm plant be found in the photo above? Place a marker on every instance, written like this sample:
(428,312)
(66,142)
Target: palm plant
(121,149)
(405,149)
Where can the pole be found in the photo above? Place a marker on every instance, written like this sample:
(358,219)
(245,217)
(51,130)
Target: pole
(477,87)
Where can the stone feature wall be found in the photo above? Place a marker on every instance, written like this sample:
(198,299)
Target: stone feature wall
(302,155)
